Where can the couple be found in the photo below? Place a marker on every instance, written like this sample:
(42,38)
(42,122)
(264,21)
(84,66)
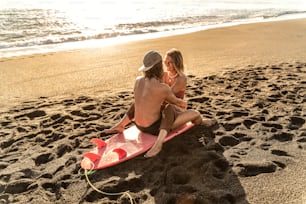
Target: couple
(156,109)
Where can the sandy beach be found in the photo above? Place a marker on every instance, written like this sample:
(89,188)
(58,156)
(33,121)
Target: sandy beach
(251,78)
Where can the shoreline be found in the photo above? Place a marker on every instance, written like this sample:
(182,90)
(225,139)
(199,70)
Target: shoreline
(99,43)
(205,53)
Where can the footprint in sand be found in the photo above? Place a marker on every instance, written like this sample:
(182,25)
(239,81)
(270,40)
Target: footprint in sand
(43,158)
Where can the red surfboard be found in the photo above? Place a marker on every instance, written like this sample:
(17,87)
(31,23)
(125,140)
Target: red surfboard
(123,146)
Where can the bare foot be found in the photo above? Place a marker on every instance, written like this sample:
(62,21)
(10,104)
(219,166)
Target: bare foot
(154,150)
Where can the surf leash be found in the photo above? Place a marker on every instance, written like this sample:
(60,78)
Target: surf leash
(126,193)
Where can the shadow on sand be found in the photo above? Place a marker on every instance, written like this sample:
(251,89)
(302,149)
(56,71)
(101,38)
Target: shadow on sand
(189,169)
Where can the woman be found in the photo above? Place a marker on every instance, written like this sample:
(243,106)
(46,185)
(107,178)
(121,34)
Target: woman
(175,76)
(177,80)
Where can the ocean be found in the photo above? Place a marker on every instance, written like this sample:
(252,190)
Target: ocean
(38,26)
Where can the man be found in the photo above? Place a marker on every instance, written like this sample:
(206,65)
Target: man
(149,95)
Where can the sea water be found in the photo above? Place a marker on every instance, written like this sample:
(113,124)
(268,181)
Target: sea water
(37,26)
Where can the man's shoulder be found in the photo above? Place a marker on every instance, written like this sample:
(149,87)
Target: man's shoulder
(139,77)
(165,87)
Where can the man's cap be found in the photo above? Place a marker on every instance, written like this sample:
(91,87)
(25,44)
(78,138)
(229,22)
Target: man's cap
(150,59)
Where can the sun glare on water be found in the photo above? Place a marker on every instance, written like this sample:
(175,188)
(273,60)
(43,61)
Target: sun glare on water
(101,13)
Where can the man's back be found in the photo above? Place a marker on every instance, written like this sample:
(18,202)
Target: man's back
(149,95)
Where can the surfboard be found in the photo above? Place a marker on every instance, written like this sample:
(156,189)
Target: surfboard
(123,146)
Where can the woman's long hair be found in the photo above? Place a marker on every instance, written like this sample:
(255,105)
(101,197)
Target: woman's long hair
(177,58)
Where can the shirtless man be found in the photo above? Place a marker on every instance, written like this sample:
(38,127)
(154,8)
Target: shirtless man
(149,94)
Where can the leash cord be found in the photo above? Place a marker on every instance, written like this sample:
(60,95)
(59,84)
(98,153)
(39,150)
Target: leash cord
(106,193)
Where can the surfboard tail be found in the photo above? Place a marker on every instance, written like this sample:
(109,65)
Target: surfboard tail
(121,153)
(100,143)
(92,156)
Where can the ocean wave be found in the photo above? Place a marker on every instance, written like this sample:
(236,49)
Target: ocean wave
(22,28)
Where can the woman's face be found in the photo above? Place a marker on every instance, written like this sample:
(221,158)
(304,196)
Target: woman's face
(169,63)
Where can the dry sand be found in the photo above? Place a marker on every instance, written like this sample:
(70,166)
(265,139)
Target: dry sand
(111,68)
(251,78)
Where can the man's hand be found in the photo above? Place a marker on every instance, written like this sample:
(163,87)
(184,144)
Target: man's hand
(183,104)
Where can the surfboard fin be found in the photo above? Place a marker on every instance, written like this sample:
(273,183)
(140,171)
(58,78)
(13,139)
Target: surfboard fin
(121,152)
(100,143)
(92,156)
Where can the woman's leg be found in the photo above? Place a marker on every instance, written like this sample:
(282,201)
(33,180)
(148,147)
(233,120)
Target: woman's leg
(187,116)
(194,116)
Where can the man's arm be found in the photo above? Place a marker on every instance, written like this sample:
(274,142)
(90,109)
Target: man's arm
(171,98)
(127,118)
